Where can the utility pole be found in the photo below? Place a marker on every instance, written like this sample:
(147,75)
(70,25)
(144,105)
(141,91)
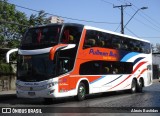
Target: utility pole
(122,8)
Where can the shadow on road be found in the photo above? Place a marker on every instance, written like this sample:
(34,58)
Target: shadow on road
(40,102)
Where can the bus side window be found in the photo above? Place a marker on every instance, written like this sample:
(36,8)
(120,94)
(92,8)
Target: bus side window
(64,65)
(125,44)
(90,40)
(101,39)
(116,42)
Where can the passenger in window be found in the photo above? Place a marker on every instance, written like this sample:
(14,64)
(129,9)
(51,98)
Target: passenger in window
(107,70)
(91,42)
(102,43)
(115,71)
(71,39)
(65,37)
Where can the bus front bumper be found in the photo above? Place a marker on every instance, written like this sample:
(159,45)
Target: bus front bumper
(48,93)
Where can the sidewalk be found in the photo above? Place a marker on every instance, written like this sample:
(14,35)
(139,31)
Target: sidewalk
(7,94)
(155,80)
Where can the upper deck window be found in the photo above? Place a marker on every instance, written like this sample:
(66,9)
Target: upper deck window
(42,35)
(71,34)
(100,39)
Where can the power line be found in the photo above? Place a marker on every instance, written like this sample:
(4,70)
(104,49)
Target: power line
(148,16)
(107,2)
(2,21)
(151,21)
(121,1)
(144,23)
(117,27)
(132,32)
(64,16)
(150,37)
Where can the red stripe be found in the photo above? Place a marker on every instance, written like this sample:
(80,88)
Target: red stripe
(137,67)
(142,72)
(127,86)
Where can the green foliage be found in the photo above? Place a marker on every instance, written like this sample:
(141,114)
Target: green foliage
(10,32)
(39,19)
(5,69)
(13,24)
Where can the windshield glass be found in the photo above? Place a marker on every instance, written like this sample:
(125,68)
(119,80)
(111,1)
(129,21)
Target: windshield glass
(71,34)
(35,68)
(42,35)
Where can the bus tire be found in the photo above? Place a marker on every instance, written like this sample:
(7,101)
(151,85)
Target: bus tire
(133,86)
(140,86)
(81,92)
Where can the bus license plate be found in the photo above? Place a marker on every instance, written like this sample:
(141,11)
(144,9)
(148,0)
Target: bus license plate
(31,93)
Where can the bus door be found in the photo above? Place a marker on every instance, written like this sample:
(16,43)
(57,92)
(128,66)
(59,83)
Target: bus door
(62,69)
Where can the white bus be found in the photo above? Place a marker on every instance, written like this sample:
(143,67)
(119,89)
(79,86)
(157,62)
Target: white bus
(60,60)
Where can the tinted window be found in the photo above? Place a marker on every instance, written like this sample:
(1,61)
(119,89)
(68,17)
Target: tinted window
(71,35)
(106,40)
(116,42)
(90,68)
(105,67)
(42,35)
(35,68)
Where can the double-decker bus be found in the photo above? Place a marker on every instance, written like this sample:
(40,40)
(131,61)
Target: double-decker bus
(60,60)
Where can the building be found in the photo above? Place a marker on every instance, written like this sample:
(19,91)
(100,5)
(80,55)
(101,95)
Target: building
(55,19)
(156,65)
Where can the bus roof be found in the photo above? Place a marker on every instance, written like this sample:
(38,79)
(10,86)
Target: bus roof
(61,24)
(111,32)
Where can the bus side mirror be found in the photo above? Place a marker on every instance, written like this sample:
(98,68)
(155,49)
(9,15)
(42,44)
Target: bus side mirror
(60,47)
(54,49)
(9,53)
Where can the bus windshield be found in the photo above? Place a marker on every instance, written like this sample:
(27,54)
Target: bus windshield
(42,35)
(35,68)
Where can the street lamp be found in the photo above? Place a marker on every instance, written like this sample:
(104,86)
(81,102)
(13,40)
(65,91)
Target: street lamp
(143,8)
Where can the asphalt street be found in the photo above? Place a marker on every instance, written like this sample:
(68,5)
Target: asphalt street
(97,104)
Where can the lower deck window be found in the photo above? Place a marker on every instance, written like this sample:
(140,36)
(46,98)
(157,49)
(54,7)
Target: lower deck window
(105,67)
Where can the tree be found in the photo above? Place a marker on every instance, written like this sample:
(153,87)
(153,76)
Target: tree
(12,25)
(39,19)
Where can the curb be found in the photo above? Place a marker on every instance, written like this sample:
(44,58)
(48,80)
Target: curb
(156,80)
(7,96)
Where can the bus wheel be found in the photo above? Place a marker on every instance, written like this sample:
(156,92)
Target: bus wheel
(133,86)
(81,92)
(140,86)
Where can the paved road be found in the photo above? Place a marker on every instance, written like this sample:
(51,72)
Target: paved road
(149,98)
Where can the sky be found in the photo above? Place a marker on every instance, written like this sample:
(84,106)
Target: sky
(145,24)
